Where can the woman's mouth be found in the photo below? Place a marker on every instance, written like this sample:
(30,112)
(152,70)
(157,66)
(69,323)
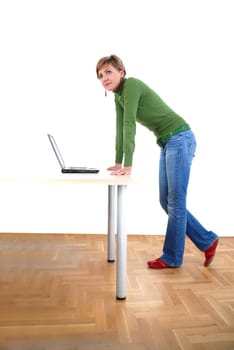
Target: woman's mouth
(107,85)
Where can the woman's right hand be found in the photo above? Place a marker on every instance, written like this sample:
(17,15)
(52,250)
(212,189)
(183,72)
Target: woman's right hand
(117,166)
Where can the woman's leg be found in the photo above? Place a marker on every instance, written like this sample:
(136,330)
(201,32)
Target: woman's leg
(202,238)
(170,197)
(176,163)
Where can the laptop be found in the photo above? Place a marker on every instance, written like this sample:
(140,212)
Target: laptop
(65,169)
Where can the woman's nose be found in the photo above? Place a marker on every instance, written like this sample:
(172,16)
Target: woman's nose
(105,77)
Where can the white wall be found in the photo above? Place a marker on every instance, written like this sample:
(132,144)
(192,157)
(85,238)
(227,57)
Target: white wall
(49,50)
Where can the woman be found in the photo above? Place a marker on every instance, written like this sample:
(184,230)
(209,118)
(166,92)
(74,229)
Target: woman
(136,102)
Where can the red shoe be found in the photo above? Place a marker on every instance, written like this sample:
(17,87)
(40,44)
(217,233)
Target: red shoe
(210,253)
(157,264)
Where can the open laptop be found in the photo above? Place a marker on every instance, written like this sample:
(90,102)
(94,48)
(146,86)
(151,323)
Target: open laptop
(65,169)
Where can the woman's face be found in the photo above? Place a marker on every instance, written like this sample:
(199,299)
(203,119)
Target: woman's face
(110,77)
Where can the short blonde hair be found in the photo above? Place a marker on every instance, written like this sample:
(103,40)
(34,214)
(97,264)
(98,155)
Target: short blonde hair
(114,60)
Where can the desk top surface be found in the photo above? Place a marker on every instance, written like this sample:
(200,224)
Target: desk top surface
(103,177)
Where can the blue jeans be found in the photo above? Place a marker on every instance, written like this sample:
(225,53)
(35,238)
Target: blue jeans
(175,163)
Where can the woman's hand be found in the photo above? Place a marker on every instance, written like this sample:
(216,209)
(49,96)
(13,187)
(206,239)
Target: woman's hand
(117,166)
(118,170)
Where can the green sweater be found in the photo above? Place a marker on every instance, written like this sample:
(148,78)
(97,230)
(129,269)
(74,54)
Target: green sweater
(136,102)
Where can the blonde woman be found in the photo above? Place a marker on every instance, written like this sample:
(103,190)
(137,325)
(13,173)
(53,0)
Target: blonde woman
(137,102)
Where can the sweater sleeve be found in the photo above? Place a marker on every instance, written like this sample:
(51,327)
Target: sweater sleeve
(131,97)
(119,133)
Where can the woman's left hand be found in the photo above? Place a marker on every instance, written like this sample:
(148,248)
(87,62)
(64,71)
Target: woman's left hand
(123,171)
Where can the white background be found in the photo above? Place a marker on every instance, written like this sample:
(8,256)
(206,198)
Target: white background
(182,48)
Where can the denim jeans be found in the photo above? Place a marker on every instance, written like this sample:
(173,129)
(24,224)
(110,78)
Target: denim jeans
(175,163)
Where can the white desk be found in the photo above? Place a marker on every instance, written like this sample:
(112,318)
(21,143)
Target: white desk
(117,186)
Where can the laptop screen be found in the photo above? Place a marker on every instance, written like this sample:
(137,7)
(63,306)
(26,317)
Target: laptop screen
(56,151)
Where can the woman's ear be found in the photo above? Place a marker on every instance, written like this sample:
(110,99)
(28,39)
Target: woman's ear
(122,73)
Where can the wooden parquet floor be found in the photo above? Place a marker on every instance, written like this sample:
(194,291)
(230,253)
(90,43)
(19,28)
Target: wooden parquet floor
(57,292)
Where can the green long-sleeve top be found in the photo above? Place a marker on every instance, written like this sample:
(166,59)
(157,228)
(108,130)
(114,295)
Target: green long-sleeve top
(137,102)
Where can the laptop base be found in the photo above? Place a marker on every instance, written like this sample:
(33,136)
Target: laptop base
(79,171)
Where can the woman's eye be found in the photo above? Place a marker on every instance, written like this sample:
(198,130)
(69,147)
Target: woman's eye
(106,73)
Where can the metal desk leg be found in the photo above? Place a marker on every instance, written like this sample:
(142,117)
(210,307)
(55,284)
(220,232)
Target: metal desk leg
(111,223)
(121,272)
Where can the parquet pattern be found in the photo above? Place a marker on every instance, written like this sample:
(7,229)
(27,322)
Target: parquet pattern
(57,292)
